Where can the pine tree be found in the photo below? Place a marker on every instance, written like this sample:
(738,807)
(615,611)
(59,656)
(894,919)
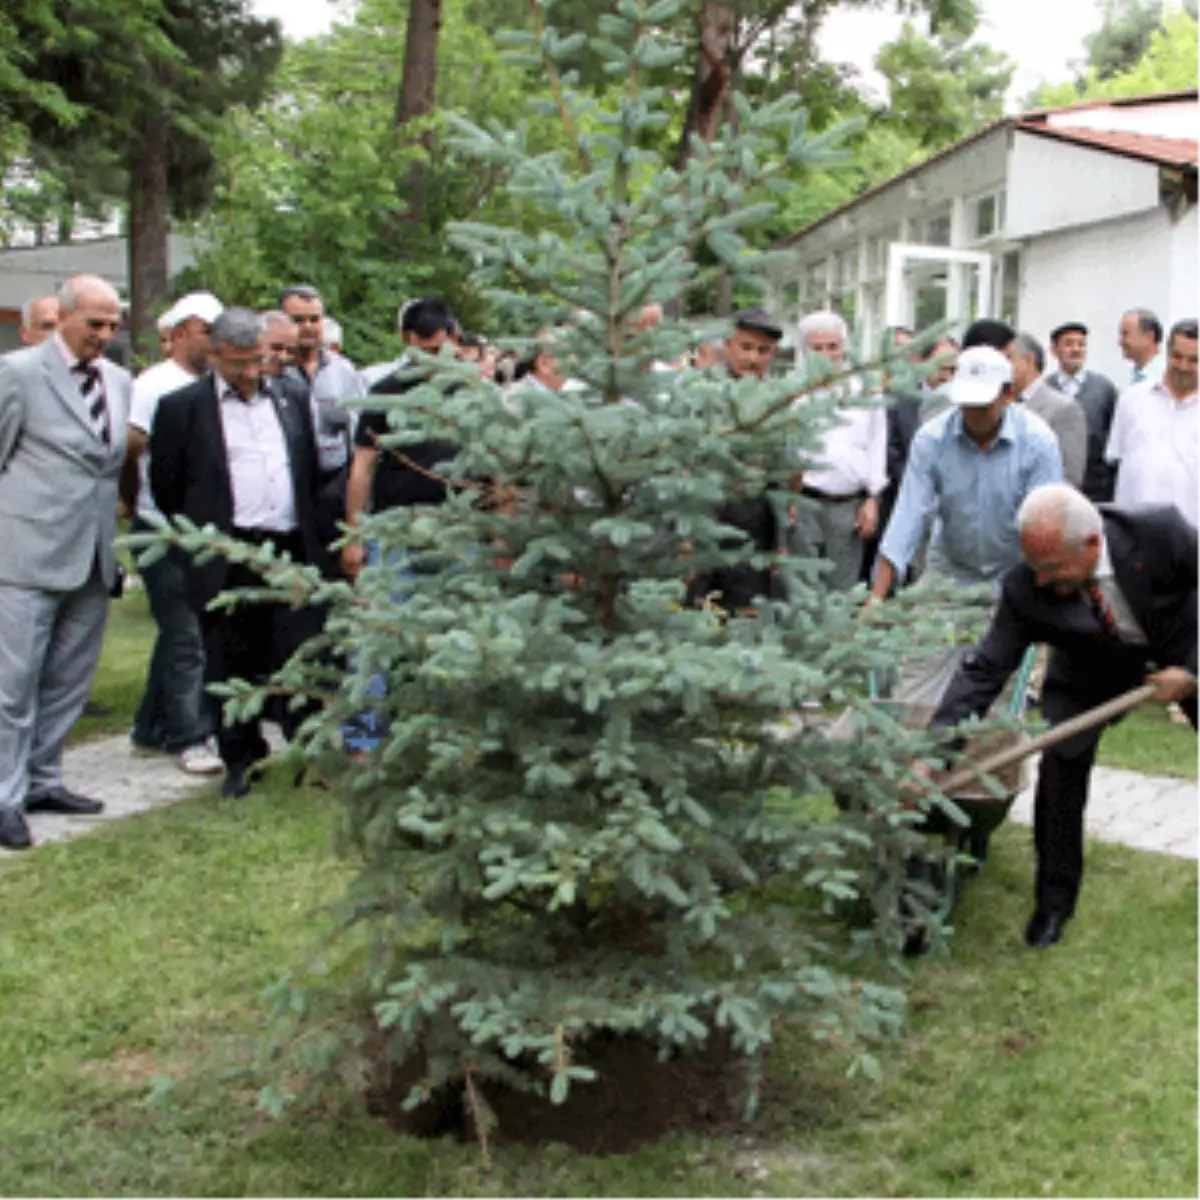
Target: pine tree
(591,814)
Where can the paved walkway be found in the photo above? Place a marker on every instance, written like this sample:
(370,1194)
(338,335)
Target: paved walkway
(1146,812)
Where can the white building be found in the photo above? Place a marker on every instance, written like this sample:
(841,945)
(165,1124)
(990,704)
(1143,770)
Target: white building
(1073,213)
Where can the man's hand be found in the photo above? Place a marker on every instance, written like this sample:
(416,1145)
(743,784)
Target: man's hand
(354,557)
(912,788)
(867,521)
(1173,683)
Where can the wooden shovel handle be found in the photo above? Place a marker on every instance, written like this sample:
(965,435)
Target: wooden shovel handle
(971,772)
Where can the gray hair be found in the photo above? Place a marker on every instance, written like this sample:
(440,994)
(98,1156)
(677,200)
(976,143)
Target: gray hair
(1148,322)
(237,327)
(1061,507)
(275,316)
(822,321)
(27,309)
(73,290)
(1027,346)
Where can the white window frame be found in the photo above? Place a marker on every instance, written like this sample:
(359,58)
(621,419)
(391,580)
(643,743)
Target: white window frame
(900,254)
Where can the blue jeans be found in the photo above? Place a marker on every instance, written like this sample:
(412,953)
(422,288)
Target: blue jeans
(368,729)
(173,714)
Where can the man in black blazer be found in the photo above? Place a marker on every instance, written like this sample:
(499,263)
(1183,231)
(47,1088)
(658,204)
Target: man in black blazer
(1113,592)
(1096,395)
(227,451)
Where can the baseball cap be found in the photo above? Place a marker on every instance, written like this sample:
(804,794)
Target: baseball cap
(204,306)
(979,376)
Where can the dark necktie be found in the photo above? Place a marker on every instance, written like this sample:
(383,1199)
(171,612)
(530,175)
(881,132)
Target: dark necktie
(1107,618)
(91,387)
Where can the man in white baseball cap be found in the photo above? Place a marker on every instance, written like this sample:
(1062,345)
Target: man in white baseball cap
(172,717)
(970,467)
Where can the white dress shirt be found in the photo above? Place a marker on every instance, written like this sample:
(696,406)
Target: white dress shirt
(1127,624)
(853,454)
(1154,438)
(148,389)
(259,468)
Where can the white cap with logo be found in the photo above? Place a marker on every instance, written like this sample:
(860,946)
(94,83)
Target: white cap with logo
(979,377)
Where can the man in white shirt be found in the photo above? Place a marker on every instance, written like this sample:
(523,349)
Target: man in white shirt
(848,474)
(173,716)
(228,452)
(1140,337)
(1155,432)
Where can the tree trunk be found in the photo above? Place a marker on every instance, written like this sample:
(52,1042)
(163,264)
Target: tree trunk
(148,227)
(711,80)
(418,84)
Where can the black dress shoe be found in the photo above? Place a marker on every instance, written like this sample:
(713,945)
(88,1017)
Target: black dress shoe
(236,783)
(62,801)
(1044,929)
(14,829)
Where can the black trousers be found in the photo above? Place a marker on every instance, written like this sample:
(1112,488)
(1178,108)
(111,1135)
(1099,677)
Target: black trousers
(1065,773)
(251,642)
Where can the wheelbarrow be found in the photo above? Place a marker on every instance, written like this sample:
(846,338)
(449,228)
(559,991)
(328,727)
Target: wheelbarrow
(986,811)
(983,787)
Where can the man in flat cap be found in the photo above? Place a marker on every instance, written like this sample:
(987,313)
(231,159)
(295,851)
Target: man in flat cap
(1096,395)
(748,351)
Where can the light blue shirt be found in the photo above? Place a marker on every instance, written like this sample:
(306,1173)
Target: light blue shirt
(973,493)
(1152,372)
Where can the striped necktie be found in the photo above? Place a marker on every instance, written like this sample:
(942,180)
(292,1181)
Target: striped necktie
(91,387)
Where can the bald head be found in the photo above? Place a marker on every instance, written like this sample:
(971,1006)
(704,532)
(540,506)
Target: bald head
(650,317)
(90,315)
(39,319)
(1061,536)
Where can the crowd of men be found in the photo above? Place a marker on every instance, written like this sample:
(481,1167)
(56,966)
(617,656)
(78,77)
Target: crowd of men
(985,466)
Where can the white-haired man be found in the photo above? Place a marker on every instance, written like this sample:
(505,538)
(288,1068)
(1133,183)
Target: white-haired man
(39,320)
(843,488)
(63,408)
(1113,592)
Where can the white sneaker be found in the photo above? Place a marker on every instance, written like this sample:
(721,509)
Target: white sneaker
(200,760)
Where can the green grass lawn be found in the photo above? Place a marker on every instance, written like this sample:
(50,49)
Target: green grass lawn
(140,953)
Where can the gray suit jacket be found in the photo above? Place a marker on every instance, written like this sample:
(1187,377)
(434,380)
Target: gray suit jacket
(1098,399)
(1069,423)
(58,480)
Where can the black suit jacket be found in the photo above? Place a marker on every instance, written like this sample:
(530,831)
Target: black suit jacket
(1153,553)
(1098,399)
(189,471)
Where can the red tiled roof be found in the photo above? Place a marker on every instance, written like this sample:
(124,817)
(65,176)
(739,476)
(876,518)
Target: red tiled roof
(1164,151)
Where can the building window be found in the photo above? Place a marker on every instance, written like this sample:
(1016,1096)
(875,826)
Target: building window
(987,216)
(815,289)
(1010,286)
(937,228)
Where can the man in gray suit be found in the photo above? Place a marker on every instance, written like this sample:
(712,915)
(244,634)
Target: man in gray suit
(1060,412)
(63,409)
(1095,394)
